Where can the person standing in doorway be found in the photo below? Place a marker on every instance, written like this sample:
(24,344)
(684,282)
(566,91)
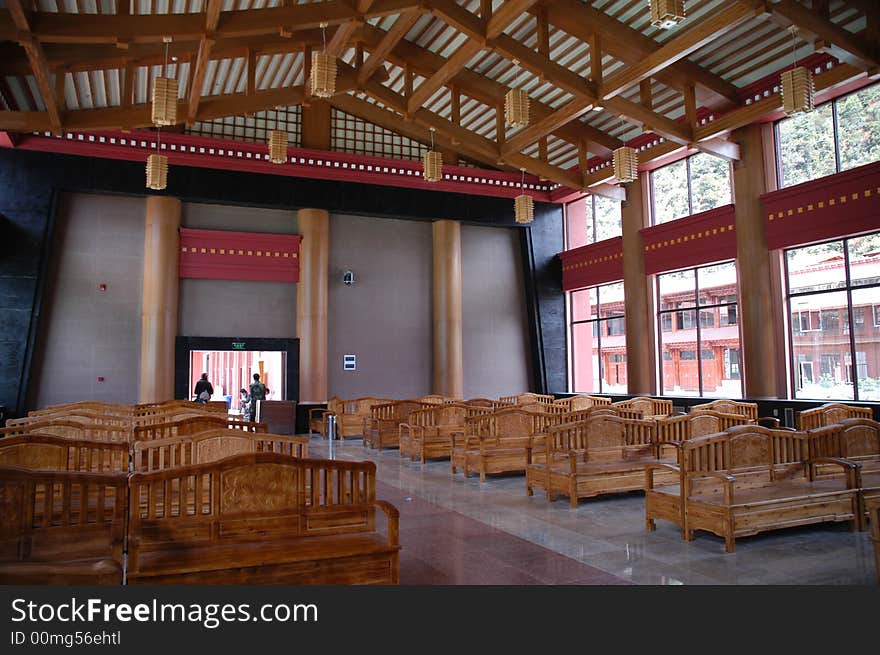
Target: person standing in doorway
(204,390)
(258,391)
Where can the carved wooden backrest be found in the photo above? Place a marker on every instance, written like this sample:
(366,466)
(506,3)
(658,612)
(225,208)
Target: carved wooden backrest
(513,424)
(211,446)
(96,407)
(441,415)
(59,515)
(576,403)
(857,439)
(246,426)
(335,405)
(256,497)
(481,402)
(364,405)
(710,422)
(725,406)
(50,453)
(606,437)
(829,414)
(188,425)
(433,399)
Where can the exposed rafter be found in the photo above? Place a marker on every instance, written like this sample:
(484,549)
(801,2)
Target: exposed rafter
(212,17)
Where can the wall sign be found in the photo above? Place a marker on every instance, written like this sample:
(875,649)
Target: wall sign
(349,362)
(238,345)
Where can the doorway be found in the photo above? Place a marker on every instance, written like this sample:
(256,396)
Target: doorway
(230,363)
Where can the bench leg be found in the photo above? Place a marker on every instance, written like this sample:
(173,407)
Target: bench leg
(573,494)
(650,524)
(529,490)
(482,474)
(729,543)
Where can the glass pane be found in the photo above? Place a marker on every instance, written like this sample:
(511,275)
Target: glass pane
(578,217)
(613,367)
(677,286)
(585,359)
(608,218)
(670,192)
(858,127)
(710,182)
(611,296)
(864,259)
(717,283)
(806,146)
(679,355)
(719,356)
(820,329)
(866,330)
(815,268)
(583,304)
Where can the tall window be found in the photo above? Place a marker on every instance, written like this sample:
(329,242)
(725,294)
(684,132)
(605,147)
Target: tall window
(591,219)
(598,340)
(834,137)
(689,186)
(698,332)
(834,332)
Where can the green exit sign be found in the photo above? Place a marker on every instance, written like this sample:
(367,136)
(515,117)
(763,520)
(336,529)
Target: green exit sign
(238,345)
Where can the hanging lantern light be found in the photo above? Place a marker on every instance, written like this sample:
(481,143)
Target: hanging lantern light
(797,84)
(433,163)
(626,164)
(666,14)
(524,205)
(516,104)
(277,146)
(165,92)
(323,76)
(157,172)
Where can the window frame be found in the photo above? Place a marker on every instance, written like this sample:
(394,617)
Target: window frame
(848,288)
(697,309)
(690,189)
(601,325)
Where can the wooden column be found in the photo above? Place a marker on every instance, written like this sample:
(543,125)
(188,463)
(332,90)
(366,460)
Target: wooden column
(311,304)
(159,299)
(640,378)
(753,267)
(316,124)
(448,361)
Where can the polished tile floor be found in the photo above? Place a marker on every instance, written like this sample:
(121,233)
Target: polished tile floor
(457,531)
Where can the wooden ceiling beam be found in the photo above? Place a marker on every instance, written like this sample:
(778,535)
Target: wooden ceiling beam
(630,46)
(468,141)
(456,62)
(392,37)
(112,28)
(37,61)
(570,111)
(679,47)
(845,45)
(197,79)
(507,13)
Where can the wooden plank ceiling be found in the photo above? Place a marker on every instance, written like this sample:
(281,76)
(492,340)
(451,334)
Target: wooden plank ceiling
(598,73)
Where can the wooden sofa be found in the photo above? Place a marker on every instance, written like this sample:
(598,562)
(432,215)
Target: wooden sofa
(649,407)
(830,413)
(603,454)
(50,453)
(252,519)
(428,431)
(350,420)
(857,440)
(318,415)
(747,480)
(210,446)
(382,428)
(499,442)
(61,527)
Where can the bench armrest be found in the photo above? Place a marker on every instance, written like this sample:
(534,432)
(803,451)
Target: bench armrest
(393,516)
(769,422)
(322,412)
(726,479)
(852,469)
(651,467)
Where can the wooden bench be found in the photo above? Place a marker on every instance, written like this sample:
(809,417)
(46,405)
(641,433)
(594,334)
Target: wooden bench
(382,429)
(194,425)
(498,442)
(428,431)
(830,413)
(747,480)
(350,421)
(50,453)
(527,398)
(857,440)
(210,446)
(61,527)
(874,513)
(252,520)
(603,454)
(649,407)
(82,416)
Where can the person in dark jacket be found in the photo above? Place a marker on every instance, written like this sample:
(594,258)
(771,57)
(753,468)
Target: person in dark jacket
(204,390)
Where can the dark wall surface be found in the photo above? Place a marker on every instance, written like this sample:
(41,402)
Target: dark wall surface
(29,182)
